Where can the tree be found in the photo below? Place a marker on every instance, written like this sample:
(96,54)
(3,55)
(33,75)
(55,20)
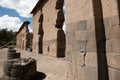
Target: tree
(7,38)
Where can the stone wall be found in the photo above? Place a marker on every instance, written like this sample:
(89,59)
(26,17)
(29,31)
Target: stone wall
(92,39)
(17,68)
(48,19)
(22,37)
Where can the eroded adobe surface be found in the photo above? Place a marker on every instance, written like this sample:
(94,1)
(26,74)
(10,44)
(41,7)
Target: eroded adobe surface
(48,20)
(93,39)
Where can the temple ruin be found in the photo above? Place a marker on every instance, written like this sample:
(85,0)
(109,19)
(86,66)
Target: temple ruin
(22,36)
(91,45)
(48,35)
(93,39)
(15,67)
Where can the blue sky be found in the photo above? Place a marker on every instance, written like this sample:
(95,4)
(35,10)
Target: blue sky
(14,12)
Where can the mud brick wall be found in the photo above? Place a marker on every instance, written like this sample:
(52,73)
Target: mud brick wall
(92,39)
(22,36)
(48,19)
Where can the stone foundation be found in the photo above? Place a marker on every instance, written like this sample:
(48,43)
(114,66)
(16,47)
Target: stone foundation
(12,54)
(19,69)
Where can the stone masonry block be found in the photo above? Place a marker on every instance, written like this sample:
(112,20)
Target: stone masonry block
(80,35)
(16,68)
(70,36)
(70,27)
(91,60)
(70,46)
(81,25)
(91,35)
(113,21)
(106,22)
(112,32)
(115,45)
(114,74)
(91,46)
(109,46)
(80,46)
(90,73)
(113,60)
(80,59)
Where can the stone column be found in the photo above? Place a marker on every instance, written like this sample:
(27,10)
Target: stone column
(19,69)
(12,54)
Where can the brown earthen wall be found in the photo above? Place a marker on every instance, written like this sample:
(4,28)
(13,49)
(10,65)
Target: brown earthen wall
(22,37)
(92,35)
(45,32)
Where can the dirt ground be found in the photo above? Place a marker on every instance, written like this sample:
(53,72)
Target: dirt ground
(51,67)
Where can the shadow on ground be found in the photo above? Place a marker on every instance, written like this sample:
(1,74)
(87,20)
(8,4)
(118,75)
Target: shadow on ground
(39,76)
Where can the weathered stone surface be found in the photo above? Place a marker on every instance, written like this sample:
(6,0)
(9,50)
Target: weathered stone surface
(113,46)
(91,46)
(22,36)
(92,34)
(51,21)
(90,73)
(70,36)
(12,54)
(80,35)
(80,46)
(113,60)
(91,60)
(114,74)
(19,69)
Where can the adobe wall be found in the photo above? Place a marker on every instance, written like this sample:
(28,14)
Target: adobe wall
(92,39)
(35,22)
(45,32)
(111,14)
(22,37)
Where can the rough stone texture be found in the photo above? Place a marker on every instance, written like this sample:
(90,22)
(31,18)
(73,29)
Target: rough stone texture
(12,54)
(92,28)
(114,74)
(90,73)
(15,69)
(22,36)
(48,19)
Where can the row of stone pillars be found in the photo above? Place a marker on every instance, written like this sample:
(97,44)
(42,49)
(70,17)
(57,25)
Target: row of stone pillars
(16,68)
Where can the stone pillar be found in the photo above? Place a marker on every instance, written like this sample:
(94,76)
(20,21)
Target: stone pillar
(12,54)
(19,69)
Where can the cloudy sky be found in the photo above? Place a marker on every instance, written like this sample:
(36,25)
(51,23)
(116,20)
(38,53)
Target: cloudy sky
(14,12)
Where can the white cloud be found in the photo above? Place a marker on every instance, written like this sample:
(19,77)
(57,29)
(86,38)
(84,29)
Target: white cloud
(23,7)
(30,29)
(11,23)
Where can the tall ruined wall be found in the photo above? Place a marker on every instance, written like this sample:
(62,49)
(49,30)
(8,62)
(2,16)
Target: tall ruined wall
(52,28)
(50,32)
(47,28)
(35,22)
(22,37)
(92,39)
(111,16)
